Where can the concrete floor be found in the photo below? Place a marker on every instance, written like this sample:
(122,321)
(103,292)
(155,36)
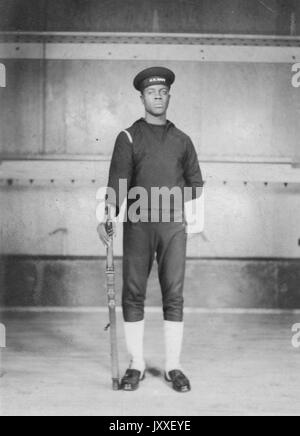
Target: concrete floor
(240,364)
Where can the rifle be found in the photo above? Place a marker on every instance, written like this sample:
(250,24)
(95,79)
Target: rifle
(111,295)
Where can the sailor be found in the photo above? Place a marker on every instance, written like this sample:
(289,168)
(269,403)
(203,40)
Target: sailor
(153,153)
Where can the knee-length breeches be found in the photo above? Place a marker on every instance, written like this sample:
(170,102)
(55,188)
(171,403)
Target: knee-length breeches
(141,242)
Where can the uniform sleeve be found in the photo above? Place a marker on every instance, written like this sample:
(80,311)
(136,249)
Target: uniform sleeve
(121,167)
(192,173)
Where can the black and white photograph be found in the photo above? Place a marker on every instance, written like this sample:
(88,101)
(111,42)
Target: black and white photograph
(149,210)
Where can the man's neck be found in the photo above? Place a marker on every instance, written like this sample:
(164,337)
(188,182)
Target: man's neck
(159,121)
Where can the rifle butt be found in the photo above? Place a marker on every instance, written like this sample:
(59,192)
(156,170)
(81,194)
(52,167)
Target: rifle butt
(110,274)
(114,348)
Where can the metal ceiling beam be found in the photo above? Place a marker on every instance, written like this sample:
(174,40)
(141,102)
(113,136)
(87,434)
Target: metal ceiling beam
(144,52)
(145,46)
(131,35)
(98,170)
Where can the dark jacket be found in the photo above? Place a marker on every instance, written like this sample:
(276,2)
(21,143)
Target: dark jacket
(160,156)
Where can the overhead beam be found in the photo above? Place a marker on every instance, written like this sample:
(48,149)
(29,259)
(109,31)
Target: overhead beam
(192,38)
(98,170)
(150,52)
(164,47)
(106,158)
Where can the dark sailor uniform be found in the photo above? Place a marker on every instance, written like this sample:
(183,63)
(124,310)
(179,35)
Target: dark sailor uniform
(150,156)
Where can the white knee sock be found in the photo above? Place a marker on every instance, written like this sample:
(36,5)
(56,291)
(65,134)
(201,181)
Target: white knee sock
(173,344)
(134,336)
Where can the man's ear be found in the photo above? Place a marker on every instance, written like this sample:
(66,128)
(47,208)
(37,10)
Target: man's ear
(142,98)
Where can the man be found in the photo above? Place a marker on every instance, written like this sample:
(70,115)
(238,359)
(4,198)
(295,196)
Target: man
(153,153)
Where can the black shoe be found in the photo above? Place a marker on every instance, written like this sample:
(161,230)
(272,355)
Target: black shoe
(179,380)
(131,380)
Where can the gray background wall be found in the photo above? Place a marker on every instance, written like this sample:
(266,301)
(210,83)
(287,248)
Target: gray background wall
(194,16)
(78,107)
(232,111)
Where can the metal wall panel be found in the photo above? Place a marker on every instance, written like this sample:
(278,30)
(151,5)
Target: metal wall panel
(206,16)
(210,284)
(241,221)
(21,108)
(229,109)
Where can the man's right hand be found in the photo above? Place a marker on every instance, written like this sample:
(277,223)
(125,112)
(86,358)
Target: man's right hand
(105,234)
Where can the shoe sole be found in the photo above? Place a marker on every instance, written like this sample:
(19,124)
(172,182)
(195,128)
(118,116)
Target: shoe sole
(129,388)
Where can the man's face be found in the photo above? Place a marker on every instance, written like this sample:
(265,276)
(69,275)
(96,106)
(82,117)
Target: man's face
(156,99)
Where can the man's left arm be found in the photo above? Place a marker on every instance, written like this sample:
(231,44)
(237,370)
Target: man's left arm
(192,172)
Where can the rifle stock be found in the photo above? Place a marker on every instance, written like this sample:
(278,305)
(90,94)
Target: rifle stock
(111,295)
